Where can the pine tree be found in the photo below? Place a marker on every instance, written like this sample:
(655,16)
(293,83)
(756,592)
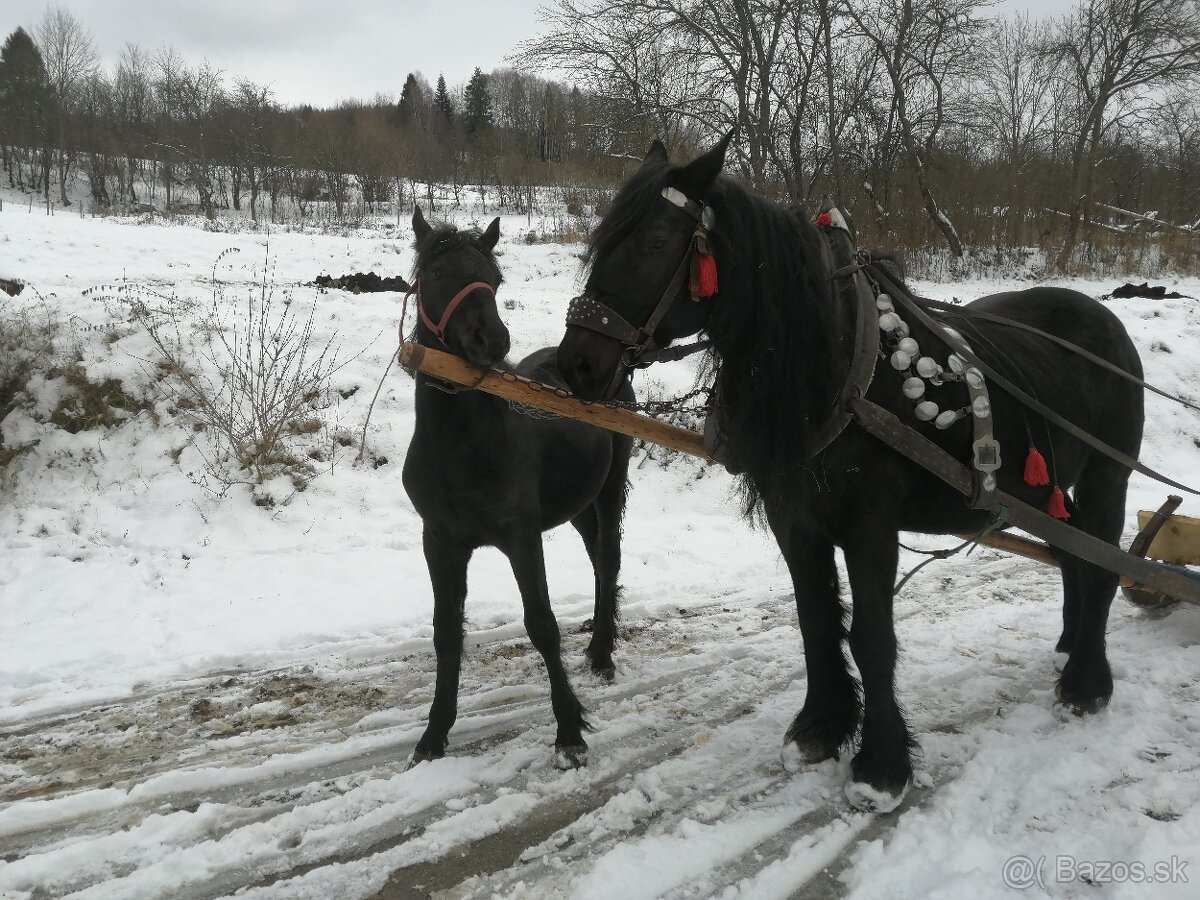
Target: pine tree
(441,100)
(26,98)
(412,101)
(477,103)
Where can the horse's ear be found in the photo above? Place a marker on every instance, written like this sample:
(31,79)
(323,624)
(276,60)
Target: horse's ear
(487,241)
(420,226)
(696,177)
(656,154)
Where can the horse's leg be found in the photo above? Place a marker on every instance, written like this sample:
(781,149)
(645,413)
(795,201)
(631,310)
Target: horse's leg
(883,765)
(1085,685)
(609,509)
(525,554)
(832,706)
(1072,590)
(447,563)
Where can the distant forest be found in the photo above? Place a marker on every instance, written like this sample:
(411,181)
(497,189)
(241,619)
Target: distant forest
(935,122)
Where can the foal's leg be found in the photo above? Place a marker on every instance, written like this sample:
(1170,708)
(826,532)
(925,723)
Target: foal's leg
(609,509)
(1086,685)
(525,554)
(883,766)
(829,718)
(447,561)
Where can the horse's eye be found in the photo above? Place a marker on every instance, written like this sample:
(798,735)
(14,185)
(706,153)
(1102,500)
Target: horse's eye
(434,274)
(656,242)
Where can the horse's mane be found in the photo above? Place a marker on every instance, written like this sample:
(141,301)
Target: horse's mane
(444,238)
(773,325)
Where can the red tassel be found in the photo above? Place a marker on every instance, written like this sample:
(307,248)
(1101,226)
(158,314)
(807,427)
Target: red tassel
(1055,506)
(825,219)
(706,275)
(1035,468)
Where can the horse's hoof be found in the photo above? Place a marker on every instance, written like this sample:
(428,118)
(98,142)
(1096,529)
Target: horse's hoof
(796,755)
(1081,695)
(420,756)
(865,798)
(605,673)
(573,757)
(1066,711)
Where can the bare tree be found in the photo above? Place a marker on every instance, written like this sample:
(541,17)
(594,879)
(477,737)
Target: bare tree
(71,59)
(925,47)
(1015,104)
(1115,53)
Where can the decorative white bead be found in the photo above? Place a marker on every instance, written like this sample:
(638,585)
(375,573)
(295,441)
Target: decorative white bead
(884,302)
(926,367)
(957,364)
(982,407)
(909,346)
(902,329)
(974,378)
(901,360)
(946,419)
(926,410)
(889,321)
(914,388)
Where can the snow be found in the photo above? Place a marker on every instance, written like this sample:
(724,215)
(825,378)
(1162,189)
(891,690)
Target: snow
(200,695)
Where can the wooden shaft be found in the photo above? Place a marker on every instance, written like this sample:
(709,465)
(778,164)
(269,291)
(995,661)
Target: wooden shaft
(519,389)
(546,397)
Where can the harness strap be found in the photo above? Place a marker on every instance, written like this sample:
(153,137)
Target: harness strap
(901,296)
(885,426)
(838,243)
(967,313)
(439,328)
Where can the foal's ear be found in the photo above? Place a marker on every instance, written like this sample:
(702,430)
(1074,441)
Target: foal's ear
(656,154)
(696,177)
(487,241)
(420,226)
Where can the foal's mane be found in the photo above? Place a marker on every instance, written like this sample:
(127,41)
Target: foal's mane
(445,238)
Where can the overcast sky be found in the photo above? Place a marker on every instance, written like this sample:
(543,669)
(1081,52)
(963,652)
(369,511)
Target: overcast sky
(323,51)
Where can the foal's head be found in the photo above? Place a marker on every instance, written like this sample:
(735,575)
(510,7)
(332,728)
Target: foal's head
(455,279)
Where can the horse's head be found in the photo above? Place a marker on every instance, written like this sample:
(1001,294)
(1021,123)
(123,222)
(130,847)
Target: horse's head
(641,292)
(455,279)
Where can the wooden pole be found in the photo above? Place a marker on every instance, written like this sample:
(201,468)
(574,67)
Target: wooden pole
(546,397)
(519,389)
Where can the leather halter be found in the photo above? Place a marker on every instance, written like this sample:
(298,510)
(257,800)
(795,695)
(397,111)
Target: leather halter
(439,328)
(587,312)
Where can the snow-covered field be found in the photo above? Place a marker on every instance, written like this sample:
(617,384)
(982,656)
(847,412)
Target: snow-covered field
(200,695)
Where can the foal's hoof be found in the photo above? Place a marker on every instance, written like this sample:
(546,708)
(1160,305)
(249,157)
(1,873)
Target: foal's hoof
(865,798)
(572,757)
(419,756)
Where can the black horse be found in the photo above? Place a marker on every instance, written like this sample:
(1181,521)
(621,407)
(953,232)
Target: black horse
(481,473)
(781,348)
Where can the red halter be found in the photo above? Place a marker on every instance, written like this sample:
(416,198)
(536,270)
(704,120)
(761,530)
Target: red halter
(439,329)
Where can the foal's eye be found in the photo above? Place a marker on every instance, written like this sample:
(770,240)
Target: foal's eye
(434,274)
